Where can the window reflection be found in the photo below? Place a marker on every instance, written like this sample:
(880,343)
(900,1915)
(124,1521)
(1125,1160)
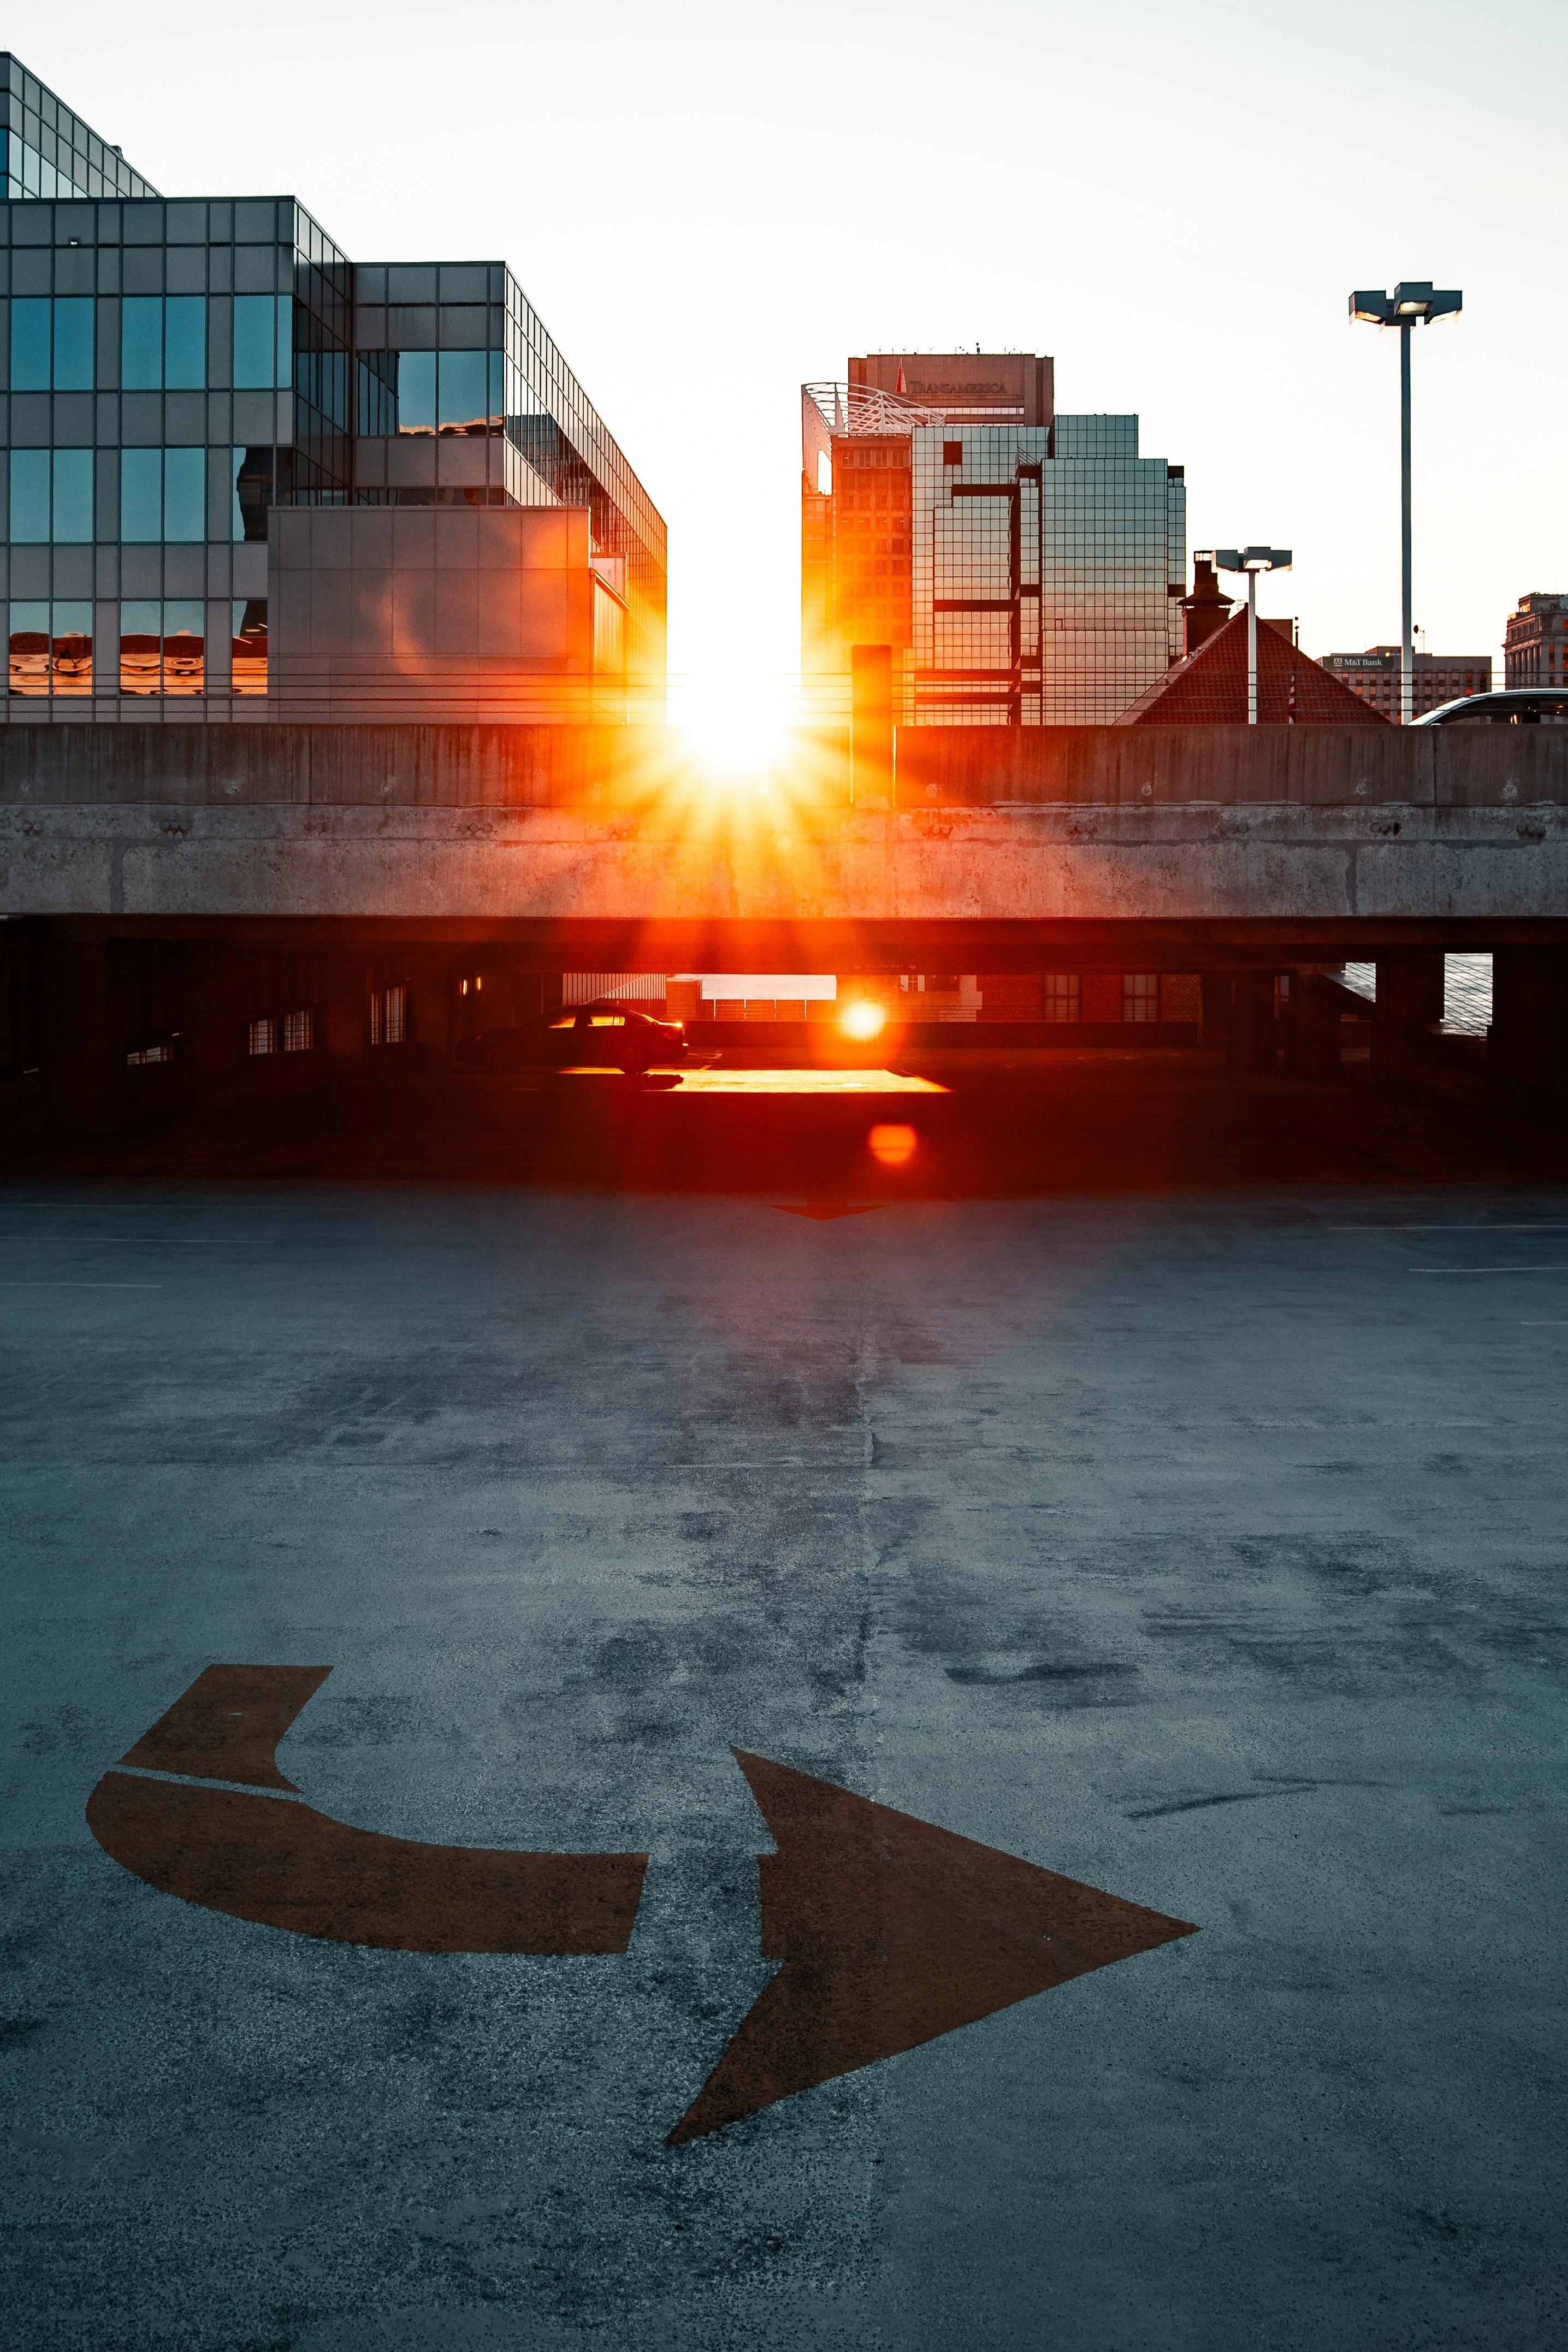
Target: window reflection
(415,389)
(184,646)
(248,651)
(141,646)
(71,648)
(252,493)
(163,649)
(431,391)
(29,664)
(50,648)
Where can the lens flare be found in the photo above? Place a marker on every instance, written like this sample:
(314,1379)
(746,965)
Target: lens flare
(861,1019)
(892,1145)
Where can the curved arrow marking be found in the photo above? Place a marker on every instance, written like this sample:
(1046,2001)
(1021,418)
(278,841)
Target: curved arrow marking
(893,1931)
(275,1860)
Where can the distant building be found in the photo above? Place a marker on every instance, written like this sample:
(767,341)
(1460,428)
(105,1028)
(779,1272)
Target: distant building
(1025,567)
(1439,678)
(1535,642)
(1208,687)
(968,387)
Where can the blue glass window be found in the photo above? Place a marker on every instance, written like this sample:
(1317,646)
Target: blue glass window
(73,342)
(464,387)
(51,495)
(416,392)
(73,495)
(162,494)
(29,493)
(141,342)
(30,345)
(141,494)
(185,343)
(162,342)
(264,333)
(184,494)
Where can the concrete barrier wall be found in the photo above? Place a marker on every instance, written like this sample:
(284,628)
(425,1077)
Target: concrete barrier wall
(1311,767)
(1044,866)
(522,767)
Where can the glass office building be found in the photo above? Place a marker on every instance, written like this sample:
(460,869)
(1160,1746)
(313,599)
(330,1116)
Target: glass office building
(1025,575)
(171,369)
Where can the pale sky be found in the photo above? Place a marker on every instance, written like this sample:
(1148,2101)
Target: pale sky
(707,205)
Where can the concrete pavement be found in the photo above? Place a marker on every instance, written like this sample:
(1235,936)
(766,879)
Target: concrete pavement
(1209,1550)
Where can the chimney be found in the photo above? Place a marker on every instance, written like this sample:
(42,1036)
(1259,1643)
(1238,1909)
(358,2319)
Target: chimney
(1207,608)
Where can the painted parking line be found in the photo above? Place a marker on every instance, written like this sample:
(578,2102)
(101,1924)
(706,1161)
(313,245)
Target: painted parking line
(1487,1269)
(80,1285)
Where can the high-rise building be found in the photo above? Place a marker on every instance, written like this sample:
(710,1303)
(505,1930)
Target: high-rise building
(1535,642)
(1374,676)
(184,376)
(1026,567)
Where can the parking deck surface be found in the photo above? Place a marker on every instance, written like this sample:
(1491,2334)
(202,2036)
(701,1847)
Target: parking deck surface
(1207,1550)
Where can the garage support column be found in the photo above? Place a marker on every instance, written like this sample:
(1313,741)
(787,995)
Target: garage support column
(80,1038)
(1215,1031)
(1405,1047)
(1527,1047)
(1316,1043)
(1254,1034)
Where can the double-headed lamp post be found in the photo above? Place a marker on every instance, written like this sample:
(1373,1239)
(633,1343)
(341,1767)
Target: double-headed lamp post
(1415,299)
(1252,560)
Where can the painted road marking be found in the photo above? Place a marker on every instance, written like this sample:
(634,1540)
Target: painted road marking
(892,1931)
(822,1211)
(80,1285)
(1488,1269)
(289,1866)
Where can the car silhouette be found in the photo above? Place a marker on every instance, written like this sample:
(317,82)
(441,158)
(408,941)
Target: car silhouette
(595,1037)
(1510,705)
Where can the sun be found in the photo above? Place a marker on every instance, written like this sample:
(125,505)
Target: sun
(736,725)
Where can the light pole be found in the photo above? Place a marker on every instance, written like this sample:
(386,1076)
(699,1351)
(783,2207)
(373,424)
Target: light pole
(1415,298)
(1252,560)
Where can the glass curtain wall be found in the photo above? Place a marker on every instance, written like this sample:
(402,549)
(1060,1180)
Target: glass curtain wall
(47,151)
(1044,560)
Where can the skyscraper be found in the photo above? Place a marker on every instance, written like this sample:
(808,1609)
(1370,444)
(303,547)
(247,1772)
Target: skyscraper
(1026,567)
(183,373)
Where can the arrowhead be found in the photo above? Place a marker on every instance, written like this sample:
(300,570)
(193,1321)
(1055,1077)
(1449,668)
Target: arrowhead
(893,1931)
(819,1212)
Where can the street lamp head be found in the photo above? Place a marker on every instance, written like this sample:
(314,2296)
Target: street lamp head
(1252,559)
(1413,300)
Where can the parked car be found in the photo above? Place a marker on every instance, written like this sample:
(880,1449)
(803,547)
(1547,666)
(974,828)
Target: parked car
(1511,706)
(589,1034)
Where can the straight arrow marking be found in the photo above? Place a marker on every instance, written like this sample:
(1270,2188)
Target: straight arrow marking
(892,1932)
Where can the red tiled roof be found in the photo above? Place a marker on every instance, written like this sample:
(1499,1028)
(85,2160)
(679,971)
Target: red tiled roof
(1208,689)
